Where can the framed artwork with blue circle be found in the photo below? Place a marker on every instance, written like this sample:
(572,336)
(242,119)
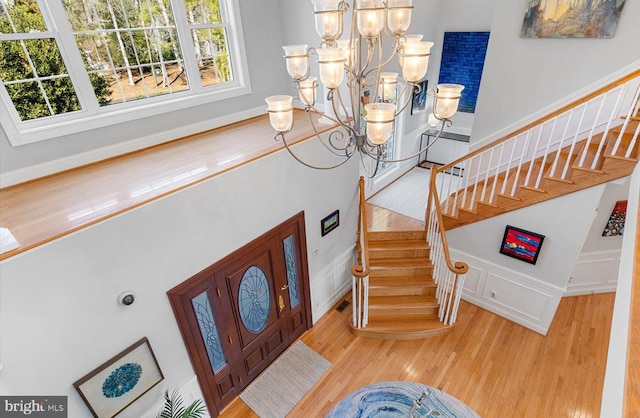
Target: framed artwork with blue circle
(119,381)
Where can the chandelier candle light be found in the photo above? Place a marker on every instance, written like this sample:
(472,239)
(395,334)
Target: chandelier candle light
(353,59)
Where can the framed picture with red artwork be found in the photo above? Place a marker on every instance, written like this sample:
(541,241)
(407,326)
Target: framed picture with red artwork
(521,244)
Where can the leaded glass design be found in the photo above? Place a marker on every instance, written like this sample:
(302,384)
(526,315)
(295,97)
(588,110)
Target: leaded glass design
(292,270)
(209,331)
(254,299)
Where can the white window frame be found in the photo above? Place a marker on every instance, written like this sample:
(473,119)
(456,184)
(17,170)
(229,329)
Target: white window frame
(94,116)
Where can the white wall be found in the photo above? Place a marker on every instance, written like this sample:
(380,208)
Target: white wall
(59,316)
(262,24)
(596,270)
(522,76)
(564,221)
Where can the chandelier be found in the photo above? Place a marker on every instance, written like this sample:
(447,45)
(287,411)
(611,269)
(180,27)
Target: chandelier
(358,62)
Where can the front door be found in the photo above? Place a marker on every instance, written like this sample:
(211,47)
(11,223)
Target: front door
(251,290)
(239,314)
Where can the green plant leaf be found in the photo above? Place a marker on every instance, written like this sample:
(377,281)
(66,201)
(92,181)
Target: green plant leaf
(173,407)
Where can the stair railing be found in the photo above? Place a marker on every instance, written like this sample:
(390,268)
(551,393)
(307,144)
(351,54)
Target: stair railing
(556,141)
(360,272)
(449,277)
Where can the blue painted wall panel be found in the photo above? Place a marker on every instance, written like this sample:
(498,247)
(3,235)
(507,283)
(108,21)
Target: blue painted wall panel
(462,62)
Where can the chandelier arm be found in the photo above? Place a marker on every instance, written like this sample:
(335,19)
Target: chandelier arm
(370,51)
(342,105)
(336,110)
(333,148)
(410,96)
(393,54)
(364,166)
(316,111)
(444,122)
(281,135)
(369,149)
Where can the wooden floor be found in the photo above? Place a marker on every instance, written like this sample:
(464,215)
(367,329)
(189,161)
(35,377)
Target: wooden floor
(498,368)
(44,209)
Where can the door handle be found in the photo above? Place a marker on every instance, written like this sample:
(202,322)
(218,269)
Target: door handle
(280,303)
(284,287)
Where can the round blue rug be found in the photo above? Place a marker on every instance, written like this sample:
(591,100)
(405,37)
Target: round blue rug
(395,399)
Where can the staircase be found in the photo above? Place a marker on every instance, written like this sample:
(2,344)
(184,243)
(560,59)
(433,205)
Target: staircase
(402,302)
(587,165)
(406,286)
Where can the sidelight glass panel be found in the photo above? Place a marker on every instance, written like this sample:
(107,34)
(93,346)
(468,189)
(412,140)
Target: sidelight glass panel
(209,331)
(254,299)
(291,262)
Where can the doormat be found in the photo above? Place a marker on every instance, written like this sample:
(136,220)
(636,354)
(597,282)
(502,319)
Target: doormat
(279,388)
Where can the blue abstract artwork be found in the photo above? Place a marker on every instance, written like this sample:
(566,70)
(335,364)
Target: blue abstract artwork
(122,380)
(462,62)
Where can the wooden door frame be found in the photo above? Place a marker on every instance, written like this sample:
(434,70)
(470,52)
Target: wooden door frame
(175,294)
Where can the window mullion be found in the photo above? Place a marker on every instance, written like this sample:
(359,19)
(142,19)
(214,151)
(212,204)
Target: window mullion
(186,44)
(58,21)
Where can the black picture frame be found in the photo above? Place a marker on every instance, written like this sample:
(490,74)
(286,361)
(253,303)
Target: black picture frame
(330,222)
(121,380)
(521,244)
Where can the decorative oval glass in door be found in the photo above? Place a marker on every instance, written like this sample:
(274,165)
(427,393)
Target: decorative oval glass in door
(209,331)
(254,299)
(292,270)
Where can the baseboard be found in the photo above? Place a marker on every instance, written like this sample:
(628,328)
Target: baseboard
(331,283)
(510,294)
(51,167)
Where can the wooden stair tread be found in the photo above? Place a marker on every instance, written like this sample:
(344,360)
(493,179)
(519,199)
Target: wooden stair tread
(400,262)
(409,329)
(400,244)
(397,235)
(400,282)
(401,302)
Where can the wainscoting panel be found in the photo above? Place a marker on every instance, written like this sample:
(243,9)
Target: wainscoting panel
(510,294)
(331,283)
(472,280)
(594,272)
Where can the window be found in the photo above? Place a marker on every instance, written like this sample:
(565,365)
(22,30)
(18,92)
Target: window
(71,65)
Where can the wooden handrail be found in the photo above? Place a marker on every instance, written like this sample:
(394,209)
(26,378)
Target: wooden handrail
(542,119)
(459,267)
(362,268)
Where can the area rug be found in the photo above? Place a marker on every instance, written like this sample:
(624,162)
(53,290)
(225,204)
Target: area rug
(279,388)
(395,399)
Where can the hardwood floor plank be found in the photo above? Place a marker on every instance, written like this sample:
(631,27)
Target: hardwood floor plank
(495,366)
(44,209)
